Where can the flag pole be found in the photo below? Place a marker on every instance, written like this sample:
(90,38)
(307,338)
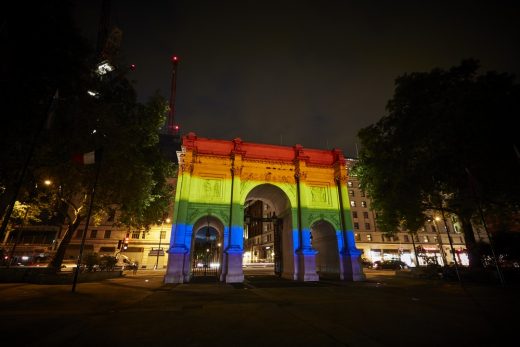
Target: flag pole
(82,246)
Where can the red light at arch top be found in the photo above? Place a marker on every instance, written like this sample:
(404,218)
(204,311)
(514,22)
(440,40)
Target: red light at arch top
(175,59)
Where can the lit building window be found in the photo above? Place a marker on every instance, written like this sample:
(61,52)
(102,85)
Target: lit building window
(369,237)
(353,203)
(426,238)
(351,192)
(350,184)
(364,203)
(358,237)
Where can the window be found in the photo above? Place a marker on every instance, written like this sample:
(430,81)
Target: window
(426,238)
(367,226)
(369,237)
(357,237)
(350,184)
(351,192)
(354,214)
(433,229)
(79,233)
(353,203)
(135,234)
(395,238)
(144,235)
(107,234)
(93,234)
(406,238)
(163,234)
(363,203)
(365,215)
(356,225)
(362,193)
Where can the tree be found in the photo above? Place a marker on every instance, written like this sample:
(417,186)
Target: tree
(447,144)
(133,173)
(42,51)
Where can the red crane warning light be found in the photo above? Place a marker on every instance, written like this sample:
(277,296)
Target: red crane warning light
(173,128)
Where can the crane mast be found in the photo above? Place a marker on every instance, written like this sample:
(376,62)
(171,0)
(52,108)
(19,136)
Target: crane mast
(173,127)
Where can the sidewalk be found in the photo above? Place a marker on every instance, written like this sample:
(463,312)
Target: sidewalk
(139,310)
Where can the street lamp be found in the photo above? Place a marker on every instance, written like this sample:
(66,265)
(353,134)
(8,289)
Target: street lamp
(451,245)
(439,240)
(160,239)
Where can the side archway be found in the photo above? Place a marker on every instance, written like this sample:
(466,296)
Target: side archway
(324,239)
(205,250)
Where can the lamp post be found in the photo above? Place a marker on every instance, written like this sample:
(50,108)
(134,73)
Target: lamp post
(439,240)
(160,239)
(451,245)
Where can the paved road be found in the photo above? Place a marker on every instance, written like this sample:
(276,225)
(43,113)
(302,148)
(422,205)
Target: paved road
(138,310)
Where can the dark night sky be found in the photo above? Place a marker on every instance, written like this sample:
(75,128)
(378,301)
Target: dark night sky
(308,72)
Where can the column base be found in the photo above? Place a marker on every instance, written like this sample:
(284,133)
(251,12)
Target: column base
(234,272)
(177,262)
(306,259)
(351,268)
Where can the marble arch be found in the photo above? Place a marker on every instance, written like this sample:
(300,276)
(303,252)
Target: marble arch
(215,179)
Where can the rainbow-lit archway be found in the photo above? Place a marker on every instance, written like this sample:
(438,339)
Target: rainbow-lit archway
(216,178)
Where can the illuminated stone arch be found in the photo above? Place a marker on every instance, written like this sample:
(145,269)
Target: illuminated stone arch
(217,176)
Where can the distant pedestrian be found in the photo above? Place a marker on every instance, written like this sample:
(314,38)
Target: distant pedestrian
(136,266)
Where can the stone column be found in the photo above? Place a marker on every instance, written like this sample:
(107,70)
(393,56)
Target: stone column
(305,254)
(233,271)
(349,256)
(177,270)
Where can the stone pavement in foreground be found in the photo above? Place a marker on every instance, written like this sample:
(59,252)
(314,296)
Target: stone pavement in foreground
(139,310)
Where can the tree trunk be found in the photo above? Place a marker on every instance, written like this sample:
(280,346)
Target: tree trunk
(469,239)
(60,253)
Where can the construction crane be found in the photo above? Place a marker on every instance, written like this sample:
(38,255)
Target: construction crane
(173,127)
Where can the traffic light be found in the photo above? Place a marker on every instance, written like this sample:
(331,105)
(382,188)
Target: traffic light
(125,244)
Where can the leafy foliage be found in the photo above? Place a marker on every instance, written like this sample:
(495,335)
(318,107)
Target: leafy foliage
(447,143)
(132,173)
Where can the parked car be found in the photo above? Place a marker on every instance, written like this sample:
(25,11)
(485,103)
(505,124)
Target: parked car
(389,265)
(366,263)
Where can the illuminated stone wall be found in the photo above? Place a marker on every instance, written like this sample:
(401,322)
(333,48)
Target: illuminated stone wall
(217,176)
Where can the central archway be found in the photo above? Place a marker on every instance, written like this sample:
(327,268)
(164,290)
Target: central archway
(268,231)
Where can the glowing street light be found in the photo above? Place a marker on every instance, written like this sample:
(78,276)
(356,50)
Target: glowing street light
(160,239)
